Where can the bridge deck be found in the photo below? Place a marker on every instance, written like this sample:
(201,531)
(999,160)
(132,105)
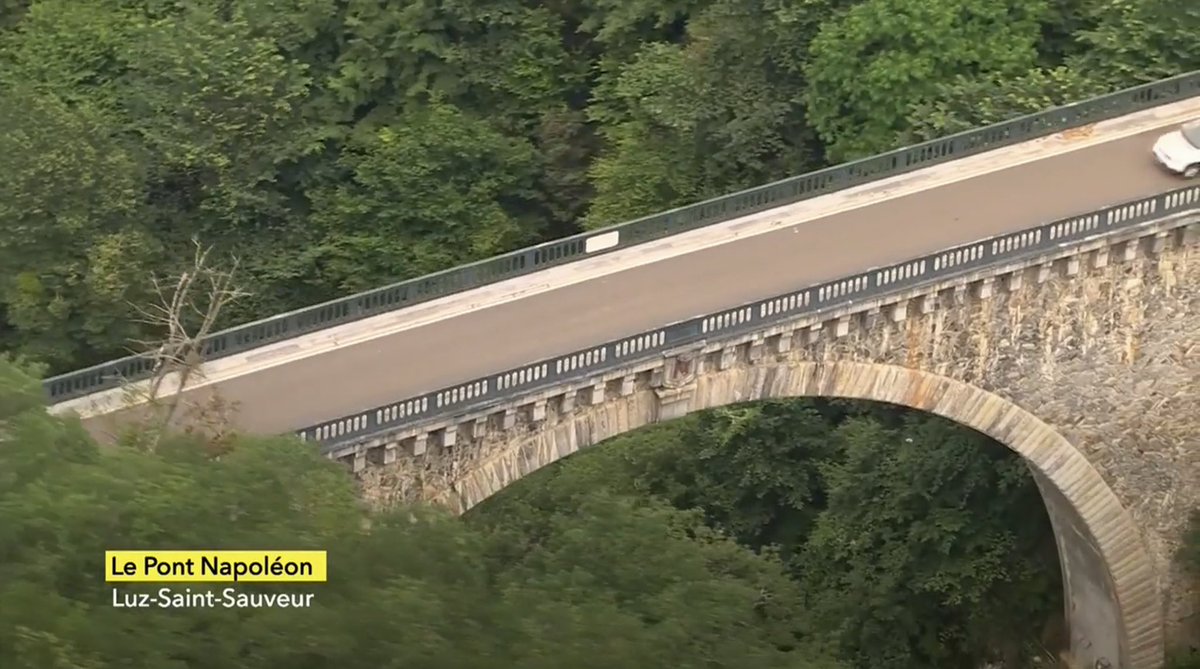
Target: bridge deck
(293,384)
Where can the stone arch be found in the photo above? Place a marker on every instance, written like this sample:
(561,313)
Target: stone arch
(1111,592)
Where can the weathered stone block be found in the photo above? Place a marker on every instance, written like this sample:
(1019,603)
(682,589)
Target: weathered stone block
(842,327)
(596,395)
(728,357)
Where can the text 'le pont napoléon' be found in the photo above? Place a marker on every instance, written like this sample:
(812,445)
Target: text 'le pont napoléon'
(215,566)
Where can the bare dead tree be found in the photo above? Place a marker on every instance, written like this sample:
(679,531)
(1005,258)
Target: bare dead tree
(186,309)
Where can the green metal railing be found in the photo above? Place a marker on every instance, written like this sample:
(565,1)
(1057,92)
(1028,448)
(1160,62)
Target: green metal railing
(503,387)
(525,261)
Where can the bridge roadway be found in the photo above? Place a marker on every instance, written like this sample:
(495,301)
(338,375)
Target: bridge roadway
(435,355)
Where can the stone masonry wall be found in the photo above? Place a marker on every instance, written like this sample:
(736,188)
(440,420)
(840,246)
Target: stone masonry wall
(1109,358)
(1105,350)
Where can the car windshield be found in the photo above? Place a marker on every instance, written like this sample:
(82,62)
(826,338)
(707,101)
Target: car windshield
(1191,132)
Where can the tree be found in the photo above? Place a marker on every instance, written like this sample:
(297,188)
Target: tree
(754,469)
(438,189)
(871,63)
(408,587)
(72,50)
(219,109)
(74,251)
(898,527)
(185,310)
(656,564)
(964,103)
(917,562)
(1187,655)
(718,111)
(340,144)
(11,12)
(1130,43)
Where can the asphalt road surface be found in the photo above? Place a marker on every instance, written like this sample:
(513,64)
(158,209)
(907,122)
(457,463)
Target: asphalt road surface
(362,376)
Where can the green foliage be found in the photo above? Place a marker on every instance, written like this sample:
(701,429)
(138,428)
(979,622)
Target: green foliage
(73,250)
(1187,656)
(870,535)
(899,528)
(755,470)
(12,11)
(963,103)
(869,64)
(657,565)
(260,127)
(72,48)
(921,526)
(22,392)
(440,189)
(716,113)
(1189,551)
(612,582)
(336,145)
(1137,42)
(340,145)
(217,108)
(1183,659)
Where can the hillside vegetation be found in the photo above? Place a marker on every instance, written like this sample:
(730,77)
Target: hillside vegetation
(336,145)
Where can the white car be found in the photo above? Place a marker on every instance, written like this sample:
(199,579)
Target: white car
(1179,150)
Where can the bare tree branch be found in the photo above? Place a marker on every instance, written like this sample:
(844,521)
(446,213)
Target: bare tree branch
(185,311)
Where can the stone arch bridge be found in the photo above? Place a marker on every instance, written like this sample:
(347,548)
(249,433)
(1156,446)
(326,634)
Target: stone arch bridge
(1083,358)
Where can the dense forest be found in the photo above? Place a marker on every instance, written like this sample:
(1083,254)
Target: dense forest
(336,145)
(775,535)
